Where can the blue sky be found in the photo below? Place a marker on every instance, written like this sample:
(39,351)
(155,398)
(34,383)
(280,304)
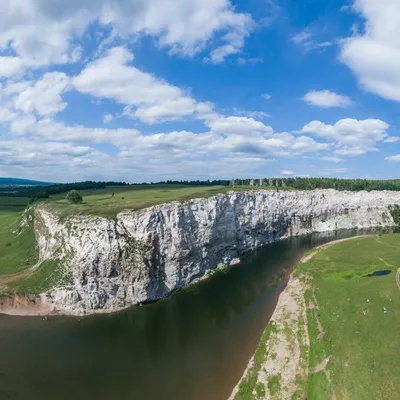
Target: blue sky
(139,90)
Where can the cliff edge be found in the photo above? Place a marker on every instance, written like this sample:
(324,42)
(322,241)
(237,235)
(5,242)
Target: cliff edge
(111,264)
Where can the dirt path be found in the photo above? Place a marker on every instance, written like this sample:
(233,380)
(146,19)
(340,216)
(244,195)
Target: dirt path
(398,278)
(5,279)
(321,366)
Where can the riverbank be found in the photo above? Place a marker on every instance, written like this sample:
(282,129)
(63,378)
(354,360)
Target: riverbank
(324,338)
(281,357)
(28,306)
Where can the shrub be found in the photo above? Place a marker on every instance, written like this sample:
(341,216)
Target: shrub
(74,197)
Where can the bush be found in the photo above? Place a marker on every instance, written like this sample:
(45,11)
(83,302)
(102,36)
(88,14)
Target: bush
(74,197)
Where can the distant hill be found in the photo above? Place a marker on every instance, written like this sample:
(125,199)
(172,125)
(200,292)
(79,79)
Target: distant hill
(15,182)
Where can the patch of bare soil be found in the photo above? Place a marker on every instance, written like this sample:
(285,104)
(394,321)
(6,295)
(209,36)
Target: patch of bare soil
(321,366)
(288,344)
(25,306)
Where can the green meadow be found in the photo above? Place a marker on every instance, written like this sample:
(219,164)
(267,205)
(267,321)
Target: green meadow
(17,246)
(110,201)
(347,323)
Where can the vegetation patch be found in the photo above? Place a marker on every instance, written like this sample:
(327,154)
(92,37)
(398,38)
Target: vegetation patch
(274,384)
(395,213)
(47,276)
(249,384)
(18,249)
(353,321)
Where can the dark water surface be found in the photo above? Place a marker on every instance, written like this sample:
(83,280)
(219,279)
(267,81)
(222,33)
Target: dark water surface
(193,345)
(380,273)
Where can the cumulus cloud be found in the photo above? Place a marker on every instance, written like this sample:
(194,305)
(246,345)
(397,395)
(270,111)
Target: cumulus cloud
(326,99)
(11,66)
(147,97)
(238,126)
(286,172)
(44,97)
(353,137)
(229,149)
(43,32)
(374,54)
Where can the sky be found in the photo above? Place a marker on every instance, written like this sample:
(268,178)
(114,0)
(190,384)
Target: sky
(150,90)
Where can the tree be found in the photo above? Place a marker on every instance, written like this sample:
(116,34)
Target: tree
(74,197)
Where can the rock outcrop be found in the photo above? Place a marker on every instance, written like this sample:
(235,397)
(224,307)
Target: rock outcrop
(111,264)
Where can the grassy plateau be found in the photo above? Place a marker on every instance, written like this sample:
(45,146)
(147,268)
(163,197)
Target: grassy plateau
(102,202)
(347,322)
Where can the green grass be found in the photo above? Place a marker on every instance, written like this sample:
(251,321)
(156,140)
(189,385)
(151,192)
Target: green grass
(8,203)
(364,360)
(248,385)
(274,384)
(101,202)
(49,275)
(18,249)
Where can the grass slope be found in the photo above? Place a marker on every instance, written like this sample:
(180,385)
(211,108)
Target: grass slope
(101,202)
(17,247)
(360,339)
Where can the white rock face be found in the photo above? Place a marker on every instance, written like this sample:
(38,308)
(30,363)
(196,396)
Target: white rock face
(144,256)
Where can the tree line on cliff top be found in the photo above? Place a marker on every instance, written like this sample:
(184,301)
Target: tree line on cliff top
(297,183)
(301,183)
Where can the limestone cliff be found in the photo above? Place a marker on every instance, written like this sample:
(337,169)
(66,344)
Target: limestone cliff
(144,256)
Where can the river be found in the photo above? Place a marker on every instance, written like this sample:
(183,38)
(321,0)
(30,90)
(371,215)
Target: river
(194,345)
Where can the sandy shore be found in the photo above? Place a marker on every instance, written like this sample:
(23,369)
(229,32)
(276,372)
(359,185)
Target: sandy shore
(25,306)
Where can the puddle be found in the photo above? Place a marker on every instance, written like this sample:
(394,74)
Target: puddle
(379,273)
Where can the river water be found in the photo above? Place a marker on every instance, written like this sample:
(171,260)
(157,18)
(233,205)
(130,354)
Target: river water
(193,345)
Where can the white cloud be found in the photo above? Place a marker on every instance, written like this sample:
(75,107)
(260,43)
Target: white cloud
(374,55)
(266,96)
(108,118)
(394,158)
(306,42)
(286,172)
(148,98)
(139,156)
(250,60)
(43,32)
(332,159)
(392,139)
(353,137)
(44,97)
(11,66)
(252,114)
(234,40)
(238,126)
(326,99)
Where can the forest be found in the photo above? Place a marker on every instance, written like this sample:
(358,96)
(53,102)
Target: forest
(296,183)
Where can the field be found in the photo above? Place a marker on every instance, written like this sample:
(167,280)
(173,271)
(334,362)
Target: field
(102,202)
(347,321)
(17,248)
